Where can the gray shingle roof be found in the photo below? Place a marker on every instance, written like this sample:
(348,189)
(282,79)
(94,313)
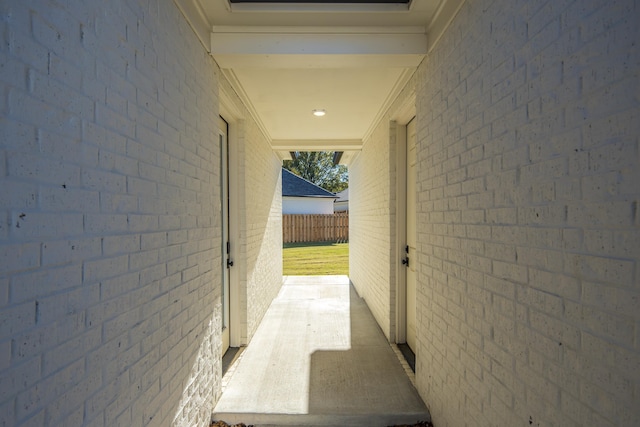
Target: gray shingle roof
(293,185)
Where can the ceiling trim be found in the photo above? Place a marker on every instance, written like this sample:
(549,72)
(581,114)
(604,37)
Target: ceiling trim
(317,29)
(228,108)
(235,84)
(348,157)
(316,144)
(196,17)
(318,7)
(447,10)
(283,155)
(407,110)
(391,97)
(319,43)
(317,61)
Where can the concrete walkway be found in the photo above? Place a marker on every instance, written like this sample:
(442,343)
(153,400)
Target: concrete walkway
(319,358)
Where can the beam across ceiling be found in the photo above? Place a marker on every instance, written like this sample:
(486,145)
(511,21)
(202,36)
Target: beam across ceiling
(298,6)
(394,41)
(323,1)
(301,62)
(317,145)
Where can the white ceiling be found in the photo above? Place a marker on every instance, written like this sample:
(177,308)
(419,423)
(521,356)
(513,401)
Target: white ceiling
(285,98)
(285,60)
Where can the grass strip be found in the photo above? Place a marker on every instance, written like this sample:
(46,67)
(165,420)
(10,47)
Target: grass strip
(315,259)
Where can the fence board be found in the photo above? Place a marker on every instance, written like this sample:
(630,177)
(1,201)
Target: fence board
(315,228)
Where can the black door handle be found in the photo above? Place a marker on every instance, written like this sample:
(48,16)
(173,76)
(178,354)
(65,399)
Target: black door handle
(405,261)
(229,263)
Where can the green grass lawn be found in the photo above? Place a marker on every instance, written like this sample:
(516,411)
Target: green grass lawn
(315,259)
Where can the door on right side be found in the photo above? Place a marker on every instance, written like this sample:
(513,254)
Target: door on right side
(411,233)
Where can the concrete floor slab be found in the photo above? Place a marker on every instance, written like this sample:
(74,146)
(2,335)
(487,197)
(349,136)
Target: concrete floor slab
(319,358)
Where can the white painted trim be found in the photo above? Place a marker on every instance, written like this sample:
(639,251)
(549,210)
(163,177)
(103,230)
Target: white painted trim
(283,155)
(348,157)
(316,144)
(377,43)
(225,235)
(231,115)
(317,7)
(447,10)
(196,17)
(401,231)
(228,106)
(403,115)
(235,84)
(407,111)
(391,97)
(316,61)
(234,29)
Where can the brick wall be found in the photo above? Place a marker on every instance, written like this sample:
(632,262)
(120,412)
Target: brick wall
(261,172)
(528,125)
(109,288)
(370,228)
(372,213)
(258,171)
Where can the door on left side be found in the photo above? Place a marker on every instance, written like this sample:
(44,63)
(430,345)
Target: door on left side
(227,263)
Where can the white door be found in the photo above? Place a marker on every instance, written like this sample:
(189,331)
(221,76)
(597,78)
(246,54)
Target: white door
(410,259)
(225,244)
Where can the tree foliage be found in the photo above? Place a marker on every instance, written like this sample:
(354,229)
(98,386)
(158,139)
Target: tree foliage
(318,167)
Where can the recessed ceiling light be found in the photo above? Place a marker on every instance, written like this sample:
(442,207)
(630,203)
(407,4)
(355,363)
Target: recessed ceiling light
(319,113)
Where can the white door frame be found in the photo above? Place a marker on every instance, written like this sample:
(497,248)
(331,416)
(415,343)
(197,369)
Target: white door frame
(225,237)
(233,117)
(406,113)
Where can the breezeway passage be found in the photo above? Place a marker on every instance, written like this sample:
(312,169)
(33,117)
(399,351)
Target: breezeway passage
(319,358)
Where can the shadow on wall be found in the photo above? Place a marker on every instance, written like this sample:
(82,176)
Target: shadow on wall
(263,247)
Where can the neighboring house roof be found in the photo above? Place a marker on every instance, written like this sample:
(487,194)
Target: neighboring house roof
(343,196)
(294,186)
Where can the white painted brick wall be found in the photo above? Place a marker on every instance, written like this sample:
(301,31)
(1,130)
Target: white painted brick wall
(109,279)
(528,127)
(259,253)
(264,230)
(262,208)
(371,226)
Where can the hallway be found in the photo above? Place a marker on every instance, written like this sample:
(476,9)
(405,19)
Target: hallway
(319,358)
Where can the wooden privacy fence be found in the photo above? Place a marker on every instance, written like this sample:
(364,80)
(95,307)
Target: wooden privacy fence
(315,228)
